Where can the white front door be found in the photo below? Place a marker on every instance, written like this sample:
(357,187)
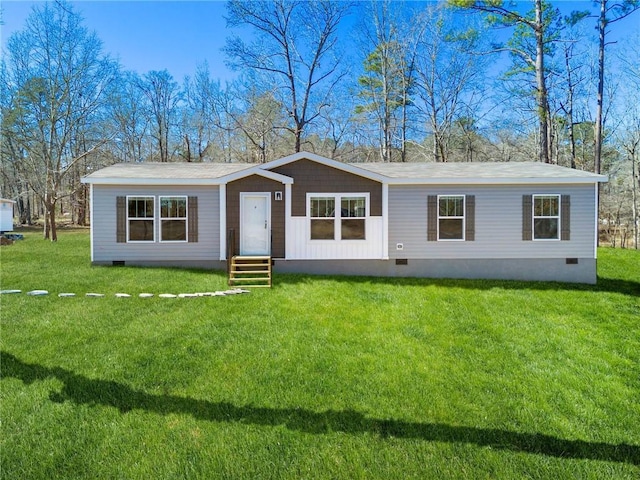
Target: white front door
(255,224)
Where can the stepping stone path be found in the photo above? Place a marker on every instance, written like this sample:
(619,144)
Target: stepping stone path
(37,293)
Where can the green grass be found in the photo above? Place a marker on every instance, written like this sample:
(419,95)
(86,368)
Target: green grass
(318,377)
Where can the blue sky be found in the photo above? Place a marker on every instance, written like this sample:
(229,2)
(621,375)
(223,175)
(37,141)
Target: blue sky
(148,35)
(154,35)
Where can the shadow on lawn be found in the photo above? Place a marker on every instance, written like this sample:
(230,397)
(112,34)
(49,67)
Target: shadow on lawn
(610,285)
(82,390)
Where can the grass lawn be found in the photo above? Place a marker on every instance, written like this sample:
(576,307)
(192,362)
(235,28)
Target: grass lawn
(318,377)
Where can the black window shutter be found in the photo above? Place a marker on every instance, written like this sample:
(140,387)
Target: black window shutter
(432,218)
(193,219)
(470,218)
(565,217)
(527,206)
(121,219)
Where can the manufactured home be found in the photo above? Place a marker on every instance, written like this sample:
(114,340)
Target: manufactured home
(310,214)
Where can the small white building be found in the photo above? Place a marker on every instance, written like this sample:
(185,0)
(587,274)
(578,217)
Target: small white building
(6,215)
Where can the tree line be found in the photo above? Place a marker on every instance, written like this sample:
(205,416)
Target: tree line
(456,81)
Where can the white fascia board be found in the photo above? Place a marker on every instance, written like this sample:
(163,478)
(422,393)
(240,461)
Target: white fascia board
(294,158)
(345,167)
(257,170)
(496,181)
(222,212)
(152,181)
(188,181)
(92,223)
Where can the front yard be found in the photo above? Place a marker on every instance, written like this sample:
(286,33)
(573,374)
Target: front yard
(318,377)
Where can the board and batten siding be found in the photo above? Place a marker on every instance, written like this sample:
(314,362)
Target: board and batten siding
(106,249)
(301,247)
(498,223)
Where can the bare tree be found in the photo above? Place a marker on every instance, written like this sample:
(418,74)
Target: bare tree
(609,13)
(198,114)
(130,120)
(295,44)
(630,133)
(537,25)
(261,123)
(384,88)
(162,94)
(446,73)
(60,79)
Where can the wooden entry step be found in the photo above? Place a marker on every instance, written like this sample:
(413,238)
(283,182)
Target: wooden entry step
(250,271)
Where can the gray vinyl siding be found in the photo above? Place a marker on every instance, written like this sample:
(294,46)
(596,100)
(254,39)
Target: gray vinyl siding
(106,249)
(498,223)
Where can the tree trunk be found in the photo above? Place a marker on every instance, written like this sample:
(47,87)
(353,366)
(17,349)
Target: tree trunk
(52,222)
(82,205)
(298,135)
(569,109)
(28,215)
(602,25)
(46,232)
(635,182)
(543,103)
(188,145)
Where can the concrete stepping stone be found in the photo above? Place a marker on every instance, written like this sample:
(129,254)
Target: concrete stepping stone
(123,295)
(7,292)
(66,294)
(187,295)
(145,295)
(37,293)
(95,295)
(167,295)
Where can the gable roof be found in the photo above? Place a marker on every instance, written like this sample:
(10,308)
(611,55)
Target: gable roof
(353,168)
(388,173)
(171,173)
(480,173)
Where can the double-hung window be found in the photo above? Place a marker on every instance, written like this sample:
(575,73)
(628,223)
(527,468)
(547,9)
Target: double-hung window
(322,214)
(141,219)
(546,217)
(451,217)
(173,219)
(353,212)
(337,216)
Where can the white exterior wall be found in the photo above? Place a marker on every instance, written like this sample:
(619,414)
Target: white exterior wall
(299,245)
(6,215)
(498,223)
(105,249)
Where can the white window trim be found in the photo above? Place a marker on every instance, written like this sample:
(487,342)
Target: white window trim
(463,218)
(185,218)
(142,218)
(533,217)
(338,216)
